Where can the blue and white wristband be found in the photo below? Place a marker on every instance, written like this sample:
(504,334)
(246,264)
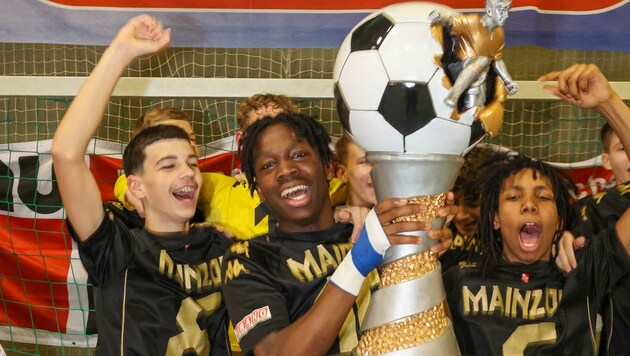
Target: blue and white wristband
(366,254)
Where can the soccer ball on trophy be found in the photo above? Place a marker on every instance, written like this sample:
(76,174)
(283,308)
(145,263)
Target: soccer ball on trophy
(390,86)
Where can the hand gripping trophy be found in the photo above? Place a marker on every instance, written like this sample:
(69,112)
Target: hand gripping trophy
(390,85)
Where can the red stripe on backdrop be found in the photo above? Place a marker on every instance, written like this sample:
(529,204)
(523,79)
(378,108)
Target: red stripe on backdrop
(559,5)
(105,170)
(35,255)
(590,180)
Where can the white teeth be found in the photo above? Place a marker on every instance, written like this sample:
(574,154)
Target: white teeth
(287,192)
(185,190)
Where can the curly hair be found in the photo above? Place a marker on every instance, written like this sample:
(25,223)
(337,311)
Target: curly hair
(155,116)
(341,149)
(258,101)
(491,182)
(304,126)
(475,162)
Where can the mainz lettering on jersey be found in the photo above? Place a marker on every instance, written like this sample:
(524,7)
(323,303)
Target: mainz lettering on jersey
(206,275)
(511,302)
(311,268)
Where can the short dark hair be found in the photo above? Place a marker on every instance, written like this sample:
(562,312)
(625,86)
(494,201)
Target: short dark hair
(305,127)
(491,181)
(605,136)
(134,154)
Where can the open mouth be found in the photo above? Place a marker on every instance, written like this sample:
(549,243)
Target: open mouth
(184,193)
(529,236)
(298,192)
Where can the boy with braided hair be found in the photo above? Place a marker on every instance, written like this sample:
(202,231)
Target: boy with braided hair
(515,300)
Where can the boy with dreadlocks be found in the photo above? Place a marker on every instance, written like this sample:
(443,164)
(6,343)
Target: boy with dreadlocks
(516,301)
(276,285)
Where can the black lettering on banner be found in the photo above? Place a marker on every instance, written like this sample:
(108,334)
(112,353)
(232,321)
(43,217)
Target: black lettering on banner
(6,187)
(27,188)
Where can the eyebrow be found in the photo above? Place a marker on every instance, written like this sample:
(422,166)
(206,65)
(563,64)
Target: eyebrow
(167,158)
(536,188)
(293,143)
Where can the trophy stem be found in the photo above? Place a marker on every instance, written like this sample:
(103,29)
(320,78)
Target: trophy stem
(407,314)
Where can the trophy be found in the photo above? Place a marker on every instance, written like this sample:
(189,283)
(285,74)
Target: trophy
(416,104)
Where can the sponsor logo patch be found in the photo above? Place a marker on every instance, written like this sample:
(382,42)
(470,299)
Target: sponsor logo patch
(252,319)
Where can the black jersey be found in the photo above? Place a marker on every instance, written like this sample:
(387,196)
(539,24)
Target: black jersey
(272,280)
(462,249)
(598,212)
(157,295)
(534,309)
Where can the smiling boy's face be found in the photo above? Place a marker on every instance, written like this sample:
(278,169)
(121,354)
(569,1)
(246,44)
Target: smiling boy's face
(527,217)
(292,180)
(168,184)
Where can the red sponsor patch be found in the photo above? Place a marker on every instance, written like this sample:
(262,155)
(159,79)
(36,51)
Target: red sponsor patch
(250,320)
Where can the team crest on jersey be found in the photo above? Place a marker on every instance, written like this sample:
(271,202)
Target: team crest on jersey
(250,320)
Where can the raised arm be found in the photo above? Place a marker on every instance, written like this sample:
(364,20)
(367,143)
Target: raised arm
(79,191)
(316,330)
(585,86)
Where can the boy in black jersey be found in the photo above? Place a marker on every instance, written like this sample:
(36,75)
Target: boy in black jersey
(158,288)
(516,301)
(586,83)
(275,285)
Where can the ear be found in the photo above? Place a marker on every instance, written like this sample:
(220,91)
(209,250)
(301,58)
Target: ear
(330,171)
(260,194)
(606,161)
(496,224)
(135,186)
(342,173)
(237,138)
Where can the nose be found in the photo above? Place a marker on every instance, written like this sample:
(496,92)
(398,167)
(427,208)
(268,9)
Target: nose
(529,206)
(187,171)
(462,213)
(286,169)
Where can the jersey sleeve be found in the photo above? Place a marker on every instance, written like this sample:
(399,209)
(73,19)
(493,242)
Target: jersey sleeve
(255,302)
(602,262)
(107,252)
